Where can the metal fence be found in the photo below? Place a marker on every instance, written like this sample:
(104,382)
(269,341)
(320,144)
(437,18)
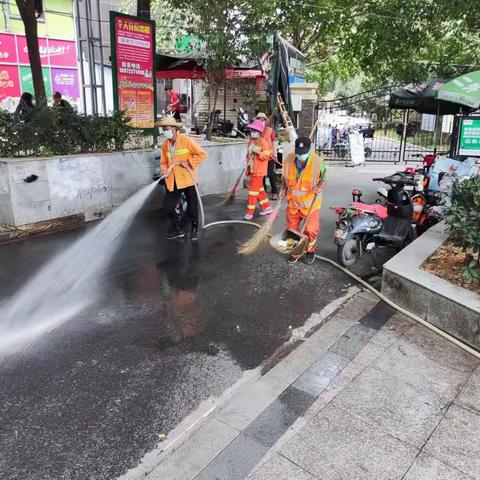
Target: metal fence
(388,135)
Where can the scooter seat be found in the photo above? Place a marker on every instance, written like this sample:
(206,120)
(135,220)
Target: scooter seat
(379,210)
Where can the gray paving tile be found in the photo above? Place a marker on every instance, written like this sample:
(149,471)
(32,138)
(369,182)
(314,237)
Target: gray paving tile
(470,395)
(338,445)
(405,412)
(352,341)
(236,461)
(392,330)
(369,353)
(274,421)
(378,316)
(251,401)
(407,360)
(297,361)
(457,439)
(201,448)
(279,468)
(436,348)
(321,373)
(426,467)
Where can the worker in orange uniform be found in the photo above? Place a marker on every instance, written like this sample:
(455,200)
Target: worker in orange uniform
(179,158)
(269,135)
(258,154)
(174,105)
(304,175)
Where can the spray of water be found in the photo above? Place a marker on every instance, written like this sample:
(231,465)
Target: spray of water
(68,283)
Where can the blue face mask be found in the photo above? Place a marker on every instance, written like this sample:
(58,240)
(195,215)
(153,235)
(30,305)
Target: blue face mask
(167,134)
(303,158)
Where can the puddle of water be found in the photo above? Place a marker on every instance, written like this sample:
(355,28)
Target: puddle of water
(68,283)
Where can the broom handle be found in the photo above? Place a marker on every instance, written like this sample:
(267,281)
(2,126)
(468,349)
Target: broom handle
(234,188)
(311,206)
(314,128)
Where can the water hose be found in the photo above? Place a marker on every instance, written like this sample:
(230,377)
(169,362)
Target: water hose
(362,282)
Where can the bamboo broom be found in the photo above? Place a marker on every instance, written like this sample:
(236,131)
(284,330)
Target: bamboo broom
(261,235)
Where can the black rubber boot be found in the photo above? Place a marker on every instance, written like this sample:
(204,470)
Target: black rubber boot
(194,233)
(309,258)
(175,230)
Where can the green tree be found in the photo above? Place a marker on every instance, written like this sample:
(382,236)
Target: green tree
(29,10)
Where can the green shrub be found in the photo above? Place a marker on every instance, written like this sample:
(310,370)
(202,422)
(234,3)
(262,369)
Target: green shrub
(52,131)
(464,220)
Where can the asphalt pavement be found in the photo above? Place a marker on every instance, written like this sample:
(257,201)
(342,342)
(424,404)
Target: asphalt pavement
(175,324)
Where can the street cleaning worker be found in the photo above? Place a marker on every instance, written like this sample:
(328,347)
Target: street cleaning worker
(269,135)
(304,174)
(184,154)
(258,154)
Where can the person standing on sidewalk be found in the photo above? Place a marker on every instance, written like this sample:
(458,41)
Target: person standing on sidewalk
(258,155)
(174,105)
(180,156)
(269,135)
(304,175)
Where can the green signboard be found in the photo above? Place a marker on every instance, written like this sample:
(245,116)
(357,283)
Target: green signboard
(470,137)
(27,82)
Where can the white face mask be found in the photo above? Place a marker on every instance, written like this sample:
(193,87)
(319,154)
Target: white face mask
(168,134)
(254,134)
(303,158)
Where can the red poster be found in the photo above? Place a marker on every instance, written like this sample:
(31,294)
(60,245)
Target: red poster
(8,51)
(23,50)
(62,53)
(134,45)
(9,82)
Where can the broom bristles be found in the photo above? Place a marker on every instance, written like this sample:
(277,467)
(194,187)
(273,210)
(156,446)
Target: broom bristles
(228,200)
(259,238)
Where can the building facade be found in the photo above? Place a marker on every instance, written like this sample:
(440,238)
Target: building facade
(58,52)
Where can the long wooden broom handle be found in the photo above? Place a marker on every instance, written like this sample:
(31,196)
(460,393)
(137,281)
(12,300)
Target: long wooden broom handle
(311,206)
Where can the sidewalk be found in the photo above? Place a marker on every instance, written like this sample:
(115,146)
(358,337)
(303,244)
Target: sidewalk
(369,395)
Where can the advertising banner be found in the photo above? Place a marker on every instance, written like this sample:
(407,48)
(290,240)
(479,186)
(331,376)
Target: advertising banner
(62,53)
(65,81)
(23,50)
(133,63)
(27,81)
(8,50)
(9,87)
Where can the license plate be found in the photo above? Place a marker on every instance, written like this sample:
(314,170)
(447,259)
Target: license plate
(340,234)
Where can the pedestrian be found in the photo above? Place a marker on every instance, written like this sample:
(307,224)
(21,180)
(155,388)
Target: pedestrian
(60,103)
(269,135)
(174,105)
(329,136)
(304,174)
(258,155)
(180,156)
(25,104)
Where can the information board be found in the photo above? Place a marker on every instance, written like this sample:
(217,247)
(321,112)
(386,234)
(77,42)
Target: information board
(469,144)
(133,64)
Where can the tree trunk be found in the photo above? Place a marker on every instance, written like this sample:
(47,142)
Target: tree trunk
(143,8)
(215,87)
(27,12)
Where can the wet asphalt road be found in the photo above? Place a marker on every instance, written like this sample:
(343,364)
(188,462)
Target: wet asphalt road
(174,325)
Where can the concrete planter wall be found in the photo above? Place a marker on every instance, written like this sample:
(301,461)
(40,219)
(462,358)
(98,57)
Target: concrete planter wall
(449,307)
(91,185)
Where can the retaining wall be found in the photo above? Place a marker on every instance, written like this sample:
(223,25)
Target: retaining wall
(449,307)
(89,186)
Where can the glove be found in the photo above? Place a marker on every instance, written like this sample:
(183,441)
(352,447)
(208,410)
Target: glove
(256,149)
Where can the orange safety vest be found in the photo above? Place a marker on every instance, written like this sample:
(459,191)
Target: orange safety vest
(267,136)
(186,149)
(300,191)
(260,159)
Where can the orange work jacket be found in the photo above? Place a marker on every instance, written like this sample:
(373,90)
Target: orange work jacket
(300,188)
(258,162)
(269,136)
(186,149)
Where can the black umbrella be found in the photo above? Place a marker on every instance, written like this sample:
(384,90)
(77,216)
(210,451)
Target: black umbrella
(422,99)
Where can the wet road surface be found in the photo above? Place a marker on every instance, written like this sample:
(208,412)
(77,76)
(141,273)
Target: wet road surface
(174,325)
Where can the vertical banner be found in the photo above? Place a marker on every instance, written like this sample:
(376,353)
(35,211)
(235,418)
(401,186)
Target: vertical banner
(133,65)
